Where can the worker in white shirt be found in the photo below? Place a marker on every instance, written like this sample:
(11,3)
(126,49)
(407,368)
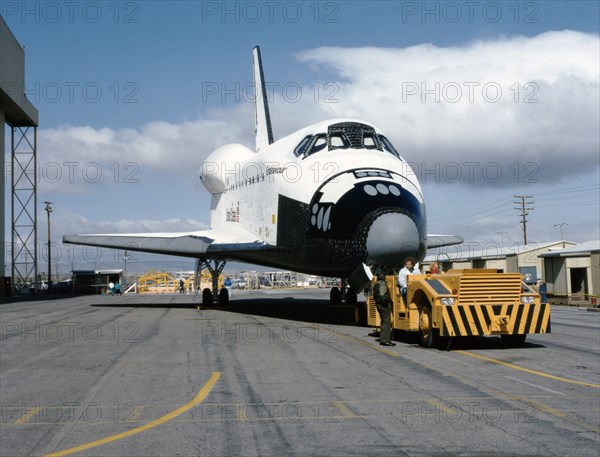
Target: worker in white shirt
(409,269)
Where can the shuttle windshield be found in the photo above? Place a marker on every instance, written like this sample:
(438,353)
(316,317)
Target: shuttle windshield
(345,135)
(387,145)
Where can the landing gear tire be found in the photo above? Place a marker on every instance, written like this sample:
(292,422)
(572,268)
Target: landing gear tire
(360,314)
(335,296)
(428,336)
(351,298)
(224,297)
(513,341)
(207,297)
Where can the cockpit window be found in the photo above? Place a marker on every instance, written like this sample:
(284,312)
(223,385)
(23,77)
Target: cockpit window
(338,140)
(388,146)
(369,141)
(303,146)
(319,143)
(346,136)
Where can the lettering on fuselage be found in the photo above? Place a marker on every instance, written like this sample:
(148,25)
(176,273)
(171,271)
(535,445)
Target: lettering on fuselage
(275,170)
(233,215)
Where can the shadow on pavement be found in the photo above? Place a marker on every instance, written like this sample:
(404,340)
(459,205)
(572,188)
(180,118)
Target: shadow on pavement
(285,307)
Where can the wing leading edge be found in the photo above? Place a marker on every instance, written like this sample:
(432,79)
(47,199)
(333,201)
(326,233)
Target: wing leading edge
(438,241)
(202,244)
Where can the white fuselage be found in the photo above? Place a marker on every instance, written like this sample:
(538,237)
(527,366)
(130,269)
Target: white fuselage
(247,189)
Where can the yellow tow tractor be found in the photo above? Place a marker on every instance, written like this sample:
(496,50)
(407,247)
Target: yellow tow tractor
(464,303)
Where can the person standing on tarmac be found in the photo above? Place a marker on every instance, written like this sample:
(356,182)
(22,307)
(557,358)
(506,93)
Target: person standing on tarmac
(383,301)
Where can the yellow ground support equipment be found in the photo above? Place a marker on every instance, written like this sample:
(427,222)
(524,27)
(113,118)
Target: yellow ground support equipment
(157,282)
(463,303)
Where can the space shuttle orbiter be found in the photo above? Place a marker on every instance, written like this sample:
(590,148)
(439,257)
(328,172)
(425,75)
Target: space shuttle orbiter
(333,199)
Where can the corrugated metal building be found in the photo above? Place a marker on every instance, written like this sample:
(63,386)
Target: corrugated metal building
(572,275)
(523,259)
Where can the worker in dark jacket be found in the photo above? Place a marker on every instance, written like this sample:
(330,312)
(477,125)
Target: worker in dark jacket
(383,301)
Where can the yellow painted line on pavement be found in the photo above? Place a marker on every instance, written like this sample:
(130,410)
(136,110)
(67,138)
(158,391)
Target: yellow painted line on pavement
(199,398)
(556,413)
(27,416)
(528,370)
(347,412)
(442,407)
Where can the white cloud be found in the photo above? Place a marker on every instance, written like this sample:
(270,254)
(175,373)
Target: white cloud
(560,132)
(74,156)
(397,89)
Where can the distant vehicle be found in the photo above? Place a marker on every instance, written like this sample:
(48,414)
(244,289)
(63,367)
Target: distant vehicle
(62,287)
(237,283)
(334,199)
(43,285)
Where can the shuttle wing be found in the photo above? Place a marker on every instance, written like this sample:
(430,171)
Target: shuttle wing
(200,244)
(438,241)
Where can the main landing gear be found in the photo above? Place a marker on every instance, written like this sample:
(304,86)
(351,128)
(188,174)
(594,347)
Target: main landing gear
(212,295)
(346,294)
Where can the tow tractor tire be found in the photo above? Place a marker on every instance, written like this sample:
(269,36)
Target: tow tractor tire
(360,314)
(335,296)
(351,298)
(513,341)
(224,297)
(428,336)
(207,297)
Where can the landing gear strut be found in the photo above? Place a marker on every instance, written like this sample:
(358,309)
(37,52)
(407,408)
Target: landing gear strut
(346,294)
(210,296)
(343,293)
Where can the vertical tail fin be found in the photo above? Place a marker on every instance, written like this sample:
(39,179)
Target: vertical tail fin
(264,132)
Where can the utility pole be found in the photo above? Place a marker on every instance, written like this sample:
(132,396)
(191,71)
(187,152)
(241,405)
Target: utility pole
(524,203)
(48,209)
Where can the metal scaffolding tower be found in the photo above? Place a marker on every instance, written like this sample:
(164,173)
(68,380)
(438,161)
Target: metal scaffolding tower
(24,205)
(22,117)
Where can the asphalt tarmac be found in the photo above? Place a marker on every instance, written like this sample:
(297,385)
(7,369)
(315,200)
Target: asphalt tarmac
(282,373)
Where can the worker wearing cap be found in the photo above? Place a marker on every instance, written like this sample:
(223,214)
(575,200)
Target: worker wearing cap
(383,301)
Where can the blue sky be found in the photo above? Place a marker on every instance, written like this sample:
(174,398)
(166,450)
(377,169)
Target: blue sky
(149,81)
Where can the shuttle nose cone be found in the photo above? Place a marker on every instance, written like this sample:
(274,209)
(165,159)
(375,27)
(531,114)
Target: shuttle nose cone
(391,238)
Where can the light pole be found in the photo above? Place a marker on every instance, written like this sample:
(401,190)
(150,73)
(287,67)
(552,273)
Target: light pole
(125,258)
(502,233)
(561,229)
(48,209)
